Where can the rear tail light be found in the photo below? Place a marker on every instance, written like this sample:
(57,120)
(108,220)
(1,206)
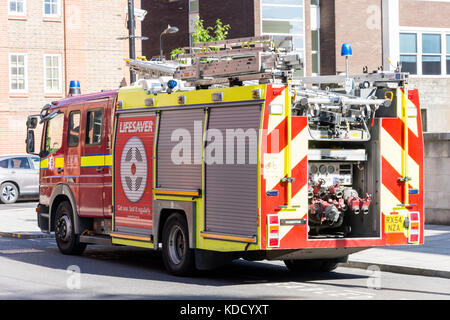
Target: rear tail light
(273,227)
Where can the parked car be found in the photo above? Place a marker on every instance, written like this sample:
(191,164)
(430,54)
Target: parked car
(19,177)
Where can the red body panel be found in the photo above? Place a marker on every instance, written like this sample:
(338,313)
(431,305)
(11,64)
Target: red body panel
(91,186)
(134,172)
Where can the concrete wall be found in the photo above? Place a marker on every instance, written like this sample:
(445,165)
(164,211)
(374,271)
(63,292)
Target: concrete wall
(437,178)
(435,98)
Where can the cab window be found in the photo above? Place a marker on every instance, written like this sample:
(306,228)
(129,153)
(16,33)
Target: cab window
(54,134)
(74,129)
(94,125)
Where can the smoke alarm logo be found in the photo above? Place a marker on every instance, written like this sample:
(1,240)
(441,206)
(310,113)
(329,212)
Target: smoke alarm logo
(133,169)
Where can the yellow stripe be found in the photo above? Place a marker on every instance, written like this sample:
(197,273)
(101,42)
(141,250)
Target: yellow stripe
(44,163)
(96,161)
(59,162)
(109,160)
(224,237)
(125,236)
(132,243)
(177,193)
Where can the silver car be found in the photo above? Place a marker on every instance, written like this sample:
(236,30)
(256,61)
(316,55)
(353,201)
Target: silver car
(19,177)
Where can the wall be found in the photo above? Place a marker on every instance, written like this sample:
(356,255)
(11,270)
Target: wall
(160,14)
(85,37)
(435,98)
(242,24)
(437,178)
(435,15)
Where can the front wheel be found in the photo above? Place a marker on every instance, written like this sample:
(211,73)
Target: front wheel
(178,257)
(66,239)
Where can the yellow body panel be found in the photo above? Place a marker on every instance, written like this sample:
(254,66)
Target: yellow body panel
(134,97)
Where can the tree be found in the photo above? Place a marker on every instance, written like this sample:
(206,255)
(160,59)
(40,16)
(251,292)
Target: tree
(201,34)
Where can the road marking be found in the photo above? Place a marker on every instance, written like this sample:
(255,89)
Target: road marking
(15,251)
(320,290)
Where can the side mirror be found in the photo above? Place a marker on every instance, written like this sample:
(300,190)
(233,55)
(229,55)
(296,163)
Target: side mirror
(32,122)
(30,142)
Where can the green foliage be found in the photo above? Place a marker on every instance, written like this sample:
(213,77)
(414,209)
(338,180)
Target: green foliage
(176,52)
(201,34)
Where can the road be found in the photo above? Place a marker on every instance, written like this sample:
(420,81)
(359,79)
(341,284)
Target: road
(34,269)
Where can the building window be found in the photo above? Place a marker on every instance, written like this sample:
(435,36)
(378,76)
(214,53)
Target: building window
(52,72)
(194,6)
(282,18)
(431,58)
(425,53)
(52,8)
(17,72)
(408,52)
(17,7)
(447,40)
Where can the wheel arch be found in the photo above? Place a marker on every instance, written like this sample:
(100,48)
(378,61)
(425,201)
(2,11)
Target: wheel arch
(164,209)
(13,182)
(62,192)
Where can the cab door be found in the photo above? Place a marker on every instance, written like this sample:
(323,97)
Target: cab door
(94,166)
(52,156)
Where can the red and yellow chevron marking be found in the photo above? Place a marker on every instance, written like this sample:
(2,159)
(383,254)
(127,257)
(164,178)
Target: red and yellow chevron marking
(392,193)
(392,145)
(273,169)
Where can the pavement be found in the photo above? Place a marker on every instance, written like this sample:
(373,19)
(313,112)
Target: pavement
(431,259)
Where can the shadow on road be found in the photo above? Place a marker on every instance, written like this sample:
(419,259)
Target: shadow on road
(135,263)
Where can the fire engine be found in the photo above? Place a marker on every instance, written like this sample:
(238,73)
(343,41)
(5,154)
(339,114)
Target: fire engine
(224,154)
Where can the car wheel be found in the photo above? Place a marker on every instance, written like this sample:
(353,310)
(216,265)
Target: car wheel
(66,239)
(9,193)
(177,256)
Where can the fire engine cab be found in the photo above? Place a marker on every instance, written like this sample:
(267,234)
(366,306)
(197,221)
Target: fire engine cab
(227,156)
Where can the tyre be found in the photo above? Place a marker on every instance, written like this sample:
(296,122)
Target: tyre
(311,265)
(9,193)
(66,239)
(178,258)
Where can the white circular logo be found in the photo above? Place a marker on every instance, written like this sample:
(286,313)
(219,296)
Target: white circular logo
(133,169)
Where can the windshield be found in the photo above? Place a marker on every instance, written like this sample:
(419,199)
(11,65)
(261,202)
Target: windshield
(54,134)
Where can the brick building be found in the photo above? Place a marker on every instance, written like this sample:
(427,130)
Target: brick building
(47,43)
(415,32)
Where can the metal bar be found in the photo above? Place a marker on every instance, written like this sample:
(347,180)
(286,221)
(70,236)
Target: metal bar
(131,27)
(405,150)
(227,237)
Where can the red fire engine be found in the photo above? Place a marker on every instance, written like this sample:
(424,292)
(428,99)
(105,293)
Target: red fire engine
(227,156)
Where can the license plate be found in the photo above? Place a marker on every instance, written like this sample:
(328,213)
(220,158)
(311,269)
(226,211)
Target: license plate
(394,224)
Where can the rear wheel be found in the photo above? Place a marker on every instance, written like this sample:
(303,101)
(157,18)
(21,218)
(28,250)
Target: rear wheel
(9,193)
(66,239)
(311,265)
(178,257)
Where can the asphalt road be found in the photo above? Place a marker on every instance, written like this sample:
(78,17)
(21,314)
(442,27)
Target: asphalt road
(34,269)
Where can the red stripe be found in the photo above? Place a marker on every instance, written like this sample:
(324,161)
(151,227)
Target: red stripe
(396,128)
(390,179)
(280,134)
